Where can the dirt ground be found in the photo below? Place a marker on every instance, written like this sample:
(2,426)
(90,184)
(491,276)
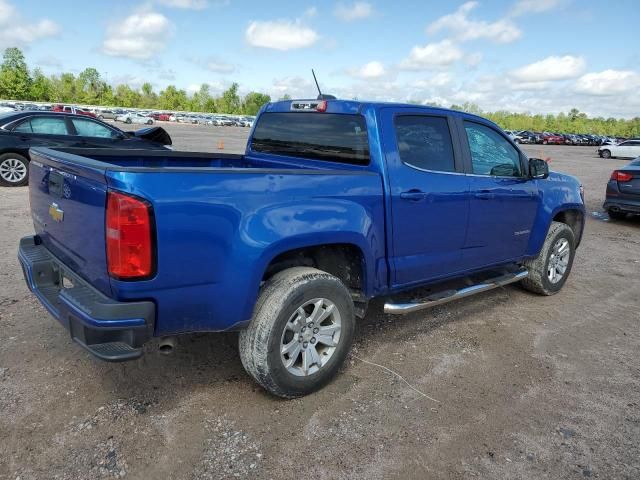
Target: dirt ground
(526,386)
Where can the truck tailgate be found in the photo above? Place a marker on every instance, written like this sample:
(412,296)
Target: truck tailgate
(68,199)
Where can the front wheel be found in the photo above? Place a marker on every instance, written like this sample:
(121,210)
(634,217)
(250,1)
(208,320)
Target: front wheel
(150,122)
(605,153)
(549,271)
(300,334)
(128,120)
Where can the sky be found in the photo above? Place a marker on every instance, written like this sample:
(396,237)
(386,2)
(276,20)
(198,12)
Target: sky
(539,56)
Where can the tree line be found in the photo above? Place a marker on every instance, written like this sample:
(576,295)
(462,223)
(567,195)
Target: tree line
(18,82)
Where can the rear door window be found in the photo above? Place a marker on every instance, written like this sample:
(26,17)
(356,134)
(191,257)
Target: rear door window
(424,142)
(318,136)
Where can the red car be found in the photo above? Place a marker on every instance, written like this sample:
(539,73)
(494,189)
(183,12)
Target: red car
(552,139)
(163,117)
(72,109)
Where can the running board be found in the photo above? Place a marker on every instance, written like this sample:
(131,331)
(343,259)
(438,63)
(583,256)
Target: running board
(451,295)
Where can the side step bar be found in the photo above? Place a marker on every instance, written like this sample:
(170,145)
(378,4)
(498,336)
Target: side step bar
(451,295)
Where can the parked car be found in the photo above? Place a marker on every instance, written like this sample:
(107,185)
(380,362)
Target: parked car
(627,149)
(162,117)
(270,256)
(19,131)
(108,114)
(552,139)
(623,191)
(132,117)
(74,110)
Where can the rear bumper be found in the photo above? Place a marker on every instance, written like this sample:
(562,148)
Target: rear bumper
(112,331)
(622,205)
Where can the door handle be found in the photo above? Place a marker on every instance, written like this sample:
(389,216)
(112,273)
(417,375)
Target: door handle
(414,195)
(484,195)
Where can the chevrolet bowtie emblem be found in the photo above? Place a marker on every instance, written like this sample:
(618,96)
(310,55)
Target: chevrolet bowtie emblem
(56,212)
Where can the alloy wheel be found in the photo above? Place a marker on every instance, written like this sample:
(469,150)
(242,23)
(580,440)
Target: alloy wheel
(310,337)
(13,170)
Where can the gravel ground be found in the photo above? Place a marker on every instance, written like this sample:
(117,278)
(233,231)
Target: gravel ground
(526,386)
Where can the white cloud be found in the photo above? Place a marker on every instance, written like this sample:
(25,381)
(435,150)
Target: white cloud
(280,35)
(213,64)
(311,12)
(523,7)
(438,80)
(140,36)
(219,66)
(355,11)
(609,82)
(296,87)
(550,68)
(436,54)
(16,31)
(463,28)
(186,4)
(374,69)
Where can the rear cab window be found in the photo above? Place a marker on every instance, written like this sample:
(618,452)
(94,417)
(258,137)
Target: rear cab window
(424,142)
(330,137)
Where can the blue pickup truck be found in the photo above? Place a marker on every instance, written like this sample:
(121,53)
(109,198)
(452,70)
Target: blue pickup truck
(333,203)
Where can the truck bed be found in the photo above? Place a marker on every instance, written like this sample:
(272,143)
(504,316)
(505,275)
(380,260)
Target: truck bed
(219,220)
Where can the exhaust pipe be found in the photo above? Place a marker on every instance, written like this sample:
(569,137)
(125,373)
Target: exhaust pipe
(167,345)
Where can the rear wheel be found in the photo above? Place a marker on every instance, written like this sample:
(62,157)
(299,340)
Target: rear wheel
(300,334)
(549,271)
(14,170)
(128,120)
(150,122)
(100,117)
(605,153)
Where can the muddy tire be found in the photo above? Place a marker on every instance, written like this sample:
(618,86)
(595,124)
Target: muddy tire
(549,271)
(300,334)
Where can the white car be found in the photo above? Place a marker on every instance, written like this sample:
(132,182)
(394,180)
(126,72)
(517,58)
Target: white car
(134,118)
(626,149)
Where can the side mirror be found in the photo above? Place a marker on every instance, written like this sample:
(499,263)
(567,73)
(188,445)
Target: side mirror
(538,168)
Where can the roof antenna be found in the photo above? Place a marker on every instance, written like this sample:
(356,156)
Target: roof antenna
(321,96)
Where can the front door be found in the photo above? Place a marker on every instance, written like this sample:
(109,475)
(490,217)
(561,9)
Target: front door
(429,196)
(503,199)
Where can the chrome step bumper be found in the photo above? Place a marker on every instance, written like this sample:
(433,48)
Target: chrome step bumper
(451,295)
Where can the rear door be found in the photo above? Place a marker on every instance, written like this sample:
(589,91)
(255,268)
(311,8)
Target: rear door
(503,199)
(429,195)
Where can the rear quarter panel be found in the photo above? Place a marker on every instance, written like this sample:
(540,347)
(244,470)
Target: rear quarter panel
(218,230)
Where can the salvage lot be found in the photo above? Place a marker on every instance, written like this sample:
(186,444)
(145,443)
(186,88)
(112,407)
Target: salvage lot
(525,386)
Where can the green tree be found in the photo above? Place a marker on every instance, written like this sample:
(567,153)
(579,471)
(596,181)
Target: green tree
(253,101)
(15,82)
(90,87)
(40,89)
(230,101)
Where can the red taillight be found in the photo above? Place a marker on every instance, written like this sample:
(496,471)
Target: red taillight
(621,176)
(322,106)
(129,237)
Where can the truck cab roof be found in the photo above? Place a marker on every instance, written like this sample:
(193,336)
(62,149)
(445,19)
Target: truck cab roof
(356,106)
